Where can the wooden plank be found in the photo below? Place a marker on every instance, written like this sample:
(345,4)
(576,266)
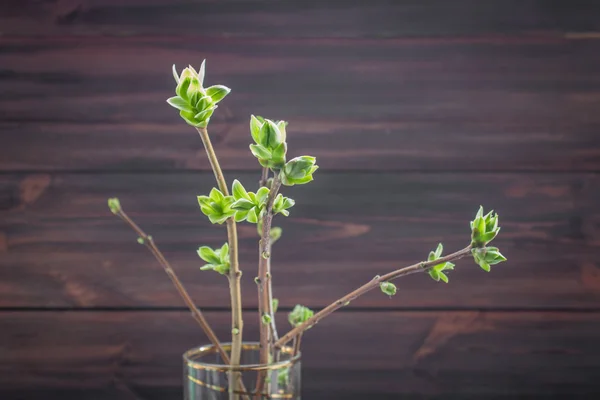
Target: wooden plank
(313,18)
(98,104)
(438,355)
(62,247)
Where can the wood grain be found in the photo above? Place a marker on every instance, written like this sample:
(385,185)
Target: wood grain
(308,18)
(438,355)
(97,103)
(64,248)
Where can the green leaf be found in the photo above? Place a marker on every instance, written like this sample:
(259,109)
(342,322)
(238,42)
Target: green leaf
(179,103)
(184,83)
(281,125)
(223,253)
(388,288)
(217,92)
(252,216)
(439,250)
(269,135)
(298,170)
(216,195)
(208,255)
(435,274)
(188,117)
(261,196)
(204,103)
(206,114)
(443,277)
(278,155)
(242,205)
(485,266)
(260,152)
(240,216)
(114,205)
(238,191)
(255,126)
(175,74)
(201,72)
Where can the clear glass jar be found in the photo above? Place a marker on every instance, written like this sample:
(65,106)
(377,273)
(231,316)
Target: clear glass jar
(207,378)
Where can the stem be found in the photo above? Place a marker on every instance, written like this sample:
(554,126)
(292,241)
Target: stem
(264,277)
(264,177)
(274,336)
(235,274)
(196,313)
(297,341)
(372,284)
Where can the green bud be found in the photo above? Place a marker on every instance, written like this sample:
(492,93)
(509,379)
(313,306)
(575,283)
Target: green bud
(141,240)
(388,288)
(256,124)
(208,255)
(275,234)
(235,331)
(484,228)
(282,125)
(114,205)
(269,135)
(266,319)
(298,171)
(275,305)
(299,315)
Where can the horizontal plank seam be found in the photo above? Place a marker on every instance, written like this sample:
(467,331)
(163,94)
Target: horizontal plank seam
(5,172)
(287,309)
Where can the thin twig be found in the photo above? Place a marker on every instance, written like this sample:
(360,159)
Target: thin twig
(234,272)
(264,177)
(196,313)
(372,284)
(264,276)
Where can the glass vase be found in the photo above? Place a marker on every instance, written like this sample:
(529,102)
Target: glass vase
(206,377)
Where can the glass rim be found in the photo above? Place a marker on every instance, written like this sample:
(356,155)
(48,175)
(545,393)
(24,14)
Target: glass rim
(201,351)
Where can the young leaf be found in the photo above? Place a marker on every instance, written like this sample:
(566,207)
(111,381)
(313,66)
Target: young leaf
(179,103)
(238,190)
(388,288)
(208,255)
(275,305)
(255,126)
(260,152)
(269,135)
(242,205)
(217,92)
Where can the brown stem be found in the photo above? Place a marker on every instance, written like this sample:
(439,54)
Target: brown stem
(237,324)
(264,277)
(297,341)
(274,336)
(264,177)
(196,313)
(372,284)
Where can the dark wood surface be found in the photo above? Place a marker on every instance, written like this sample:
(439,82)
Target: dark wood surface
(417,111)
(430,354)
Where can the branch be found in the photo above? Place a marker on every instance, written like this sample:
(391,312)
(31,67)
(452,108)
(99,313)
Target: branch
(264,277)
(374,283)
(196,313)
(234,272)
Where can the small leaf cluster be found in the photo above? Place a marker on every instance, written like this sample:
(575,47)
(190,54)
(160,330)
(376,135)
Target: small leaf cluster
(216,206)
(217,260)
(437,271)
(195,103)
(299,315)
(388,288)
(299,170)
(484,228)
(486,256)
(269,145)
(249,206)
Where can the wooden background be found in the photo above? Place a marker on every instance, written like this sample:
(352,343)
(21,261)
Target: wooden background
(417,111)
